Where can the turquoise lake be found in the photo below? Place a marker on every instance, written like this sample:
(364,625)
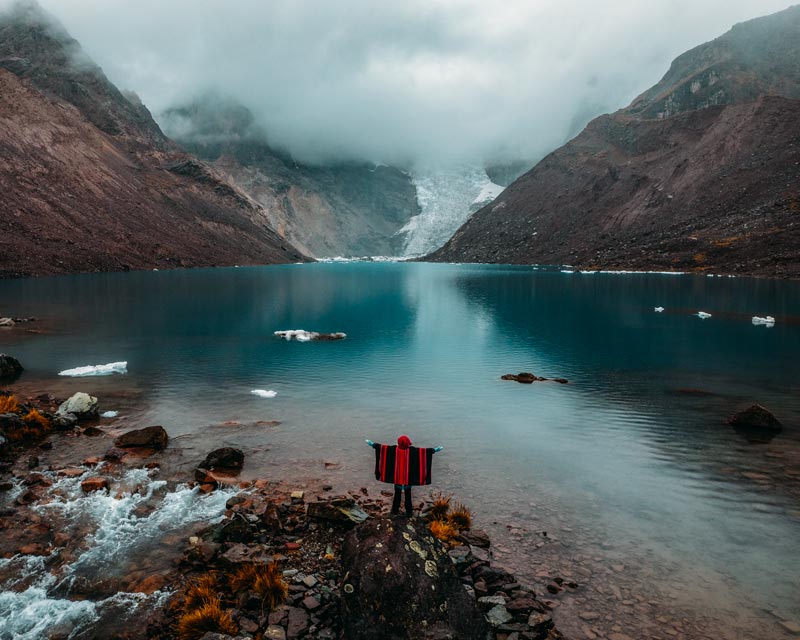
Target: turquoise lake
(630,468)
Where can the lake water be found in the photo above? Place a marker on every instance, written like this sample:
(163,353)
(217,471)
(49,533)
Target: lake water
(650,501)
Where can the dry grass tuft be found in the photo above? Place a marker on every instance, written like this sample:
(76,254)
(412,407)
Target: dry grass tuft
(444,531)
(265,580)
(208,617)
(200,592)
(441,505)
(460,517)
(35,419)
(9,404)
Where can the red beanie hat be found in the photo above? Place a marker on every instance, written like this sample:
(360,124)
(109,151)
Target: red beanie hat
(404,442)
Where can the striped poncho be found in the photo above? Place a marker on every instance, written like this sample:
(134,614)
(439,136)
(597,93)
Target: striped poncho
(408,466)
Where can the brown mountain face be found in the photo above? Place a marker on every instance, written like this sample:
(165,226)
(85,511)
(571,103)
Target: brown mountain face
(343,209)
(88,182)
(701,172)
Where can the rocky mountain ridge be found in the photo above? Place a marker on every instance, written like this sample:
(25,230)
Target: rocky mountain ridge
(701,172)
(90,183)
(340,209)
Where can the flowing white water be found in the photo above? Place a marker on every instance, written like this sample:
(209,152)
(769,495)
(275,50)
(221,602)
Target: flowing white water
(30,600)
(447,198)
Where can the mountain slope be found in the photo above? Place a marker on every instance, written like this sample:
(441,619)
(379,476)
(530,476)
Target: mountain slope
(88,180)
(351,209)
(700,172)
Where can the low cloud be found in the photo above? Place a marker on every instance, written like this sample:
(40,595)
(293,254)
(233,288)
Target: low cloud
(407,82)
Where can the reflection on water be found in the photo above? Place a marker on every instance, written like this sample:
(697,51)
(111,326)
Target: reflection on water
(631,463)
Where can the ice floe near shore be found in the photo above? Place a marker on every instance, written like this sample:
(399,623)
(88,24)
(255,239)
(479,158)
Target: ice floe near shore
(703,315)
(766,321)
(658,309)
(96,370)
(109,414)
(301,335)
(264,393)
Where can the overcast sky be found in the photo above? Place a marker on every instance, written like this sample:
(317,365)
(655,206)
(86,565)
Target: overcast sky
(407,81)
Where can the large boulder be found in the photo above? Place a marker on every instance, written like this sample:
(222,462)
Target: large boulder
(10,368)
(756,417)
(399,583)
(150,437)
(81,405)
(226,458)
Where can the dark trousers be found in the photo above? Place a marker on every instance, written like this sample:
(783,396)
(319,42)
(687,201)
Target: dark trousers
(398,489)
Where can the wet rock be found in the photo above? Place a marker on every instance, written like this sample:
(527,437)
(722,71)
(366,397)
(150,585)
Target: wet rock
(275,632)
(342,510)
(297,623)
(399,582)
(498,615)
(226,458)
(94,484)
(10,423)
(80,404)
(10,368)
(150,437)
(475,538)
(756,417)
(524,377)
(64,421)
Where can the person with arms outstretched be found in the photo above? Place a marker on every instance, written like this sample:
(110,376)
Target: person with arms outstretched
(404,466)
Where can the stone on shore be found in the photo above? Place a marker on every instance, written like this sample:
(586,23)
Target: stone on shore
(399,582)
(80,404)
(756,417)
(343,510)
(10,368)
(94,484)
(226,458)
(150,437)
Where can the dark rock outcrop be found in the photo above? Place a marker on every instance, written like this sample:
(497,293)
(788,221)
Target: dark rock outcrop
(699,173)
(756,417)
(150,437)
(90,182)
(226,458)
(399,582)
(10,368)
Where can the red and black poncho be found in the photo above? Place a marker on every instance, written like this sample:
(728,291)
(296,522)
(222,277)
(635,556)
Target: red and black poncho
(408,466)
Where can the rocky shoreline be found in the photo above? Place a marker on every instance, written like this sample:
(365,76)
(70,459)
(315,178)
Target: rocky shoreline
(325,569)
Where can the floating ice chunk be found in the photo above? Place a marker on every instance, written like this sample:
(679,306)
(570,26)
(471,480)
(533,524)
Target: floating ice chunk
(767,321)
(703,315)
(301,335)
(96,370)
(659,309)
(109,414)
(264,393)
(567,271)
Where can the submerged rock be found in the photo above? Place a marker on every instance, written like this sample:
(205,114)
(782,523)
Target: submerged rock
(524,377)
(399,582)
(81,405)
(756,417)
(150,437)
(10,368)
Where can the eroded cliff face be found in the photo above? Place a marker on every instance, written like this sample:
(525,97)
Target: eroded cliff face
(88,181)
(343,209)
(702,172)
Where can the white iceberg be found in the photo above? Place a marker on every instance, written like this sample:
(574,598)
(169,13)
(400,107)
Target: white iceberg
(109,414)
(703,315)
(96,370)
(301,335)
(264,393)
(659,309)
(767,321)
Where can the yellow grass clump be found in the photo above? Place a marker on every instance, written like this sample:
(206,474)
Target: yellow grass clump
(266,580)
(8,404)
(441,505)
(460,517)
(444,531)
(200,592)
(208,617)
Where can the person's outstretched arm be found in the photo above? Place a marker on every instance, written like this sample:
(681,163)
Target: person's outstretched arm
(437,449)
(369,442)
